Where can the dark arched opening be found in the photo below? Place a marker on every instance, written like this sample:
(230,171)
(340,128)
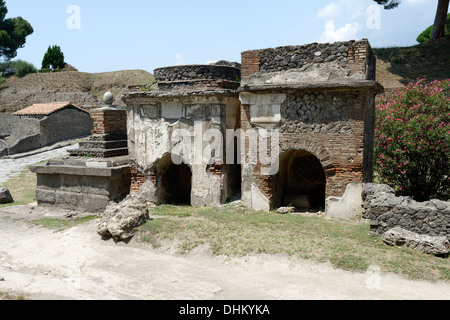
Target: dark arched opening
(301,181)
(174,182)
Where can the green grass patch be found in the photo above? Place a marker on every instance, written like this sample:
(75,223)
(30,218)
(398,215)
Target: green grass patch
(22,189)
(63,224)
(10,296)
(430,60)
(238,231)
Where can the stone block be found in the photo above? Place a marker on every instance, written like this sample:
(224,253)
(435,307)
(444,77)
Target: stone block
(171,110)
(438,246)
(95,203)
(69,200)
(5,196)
(44,196)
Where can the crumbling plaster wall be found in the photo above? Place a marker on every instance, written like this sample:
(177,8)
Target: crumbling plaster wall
(153,122)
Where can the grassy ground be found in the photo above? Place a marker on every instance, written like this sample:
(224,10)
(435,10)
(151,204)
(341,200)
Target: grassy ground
(63,224)
(397,66)
(235,230)
(22,188)
(79,81)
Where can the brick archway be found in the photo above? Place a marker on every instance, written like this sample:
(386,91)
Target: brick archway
(301,181)
(314,148)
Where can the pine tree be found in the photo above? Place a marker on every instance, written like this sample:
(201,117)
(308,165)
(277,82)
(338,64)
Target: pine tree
(13,33)
(55,57)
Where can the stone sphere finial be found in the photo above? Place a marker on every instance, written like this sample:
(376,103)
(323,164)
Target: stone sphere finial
(108,98)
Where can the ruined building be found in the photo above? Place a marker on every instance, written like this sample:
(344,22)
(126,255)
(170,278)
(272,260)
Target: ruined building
(297,124)
(289,126)
(188,100)
(321,100)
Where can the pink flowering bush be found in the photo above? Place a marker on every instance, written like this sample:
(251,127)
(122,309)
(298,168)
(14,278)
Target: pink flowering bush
(412,140)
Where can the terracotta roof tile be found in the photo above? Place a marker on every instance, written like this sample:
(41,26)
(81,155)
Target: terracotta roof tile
(44,109)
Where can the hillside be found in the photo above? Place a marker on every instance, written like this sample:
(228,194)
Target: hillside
(84,88)
(397,66)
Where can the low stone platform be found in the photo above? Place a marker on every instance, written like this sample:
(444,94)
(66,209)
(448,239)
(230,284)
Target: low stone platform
(82,184)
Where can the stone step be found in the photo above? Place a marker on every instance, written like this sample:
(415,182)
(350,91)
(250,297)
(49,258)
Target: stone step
(108,137)
(99,153)
(108,145)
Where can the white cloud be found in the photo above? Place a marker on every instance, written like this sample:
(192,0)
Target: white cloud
(211,61)
(331,34)
(330,11)
(356,9)
(180,60)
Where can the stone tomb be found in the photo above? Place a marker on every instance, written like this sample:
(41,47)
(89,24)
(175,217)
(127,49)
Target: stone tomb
(305,116)
(319,99)
(187,101)
(94,174)
(301,120)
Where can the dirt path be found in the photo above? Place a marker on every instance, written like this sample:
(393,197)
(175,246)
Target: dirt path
(77,264)
(11,168)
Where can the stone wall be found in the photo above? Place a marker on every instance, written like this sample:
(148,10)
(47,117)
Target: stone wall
(197,72)
(10,124)
(19,135)
(65,124)
(23,134)
(356,56)
(386,211)
(80,185)
(321,100)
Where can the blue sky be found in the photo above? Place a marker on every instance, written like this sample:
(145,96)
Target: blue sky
(101,36)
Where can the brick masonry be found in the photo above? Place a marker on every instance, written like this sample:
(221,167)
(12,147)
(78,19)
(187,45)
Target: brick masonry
(356,55)
(109,121)
(332,123)
(138,179)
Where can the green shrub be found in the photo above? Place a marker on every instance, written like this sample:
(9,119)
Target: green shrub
(413,140)
(18,67)
(6,69)
(22,68)
(2,80)
(426,35)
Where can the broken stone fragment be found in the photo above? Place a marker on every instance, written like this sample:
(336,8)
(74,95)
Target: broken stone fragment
(5,196)
(119,219)
(438,246)
(286,210)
